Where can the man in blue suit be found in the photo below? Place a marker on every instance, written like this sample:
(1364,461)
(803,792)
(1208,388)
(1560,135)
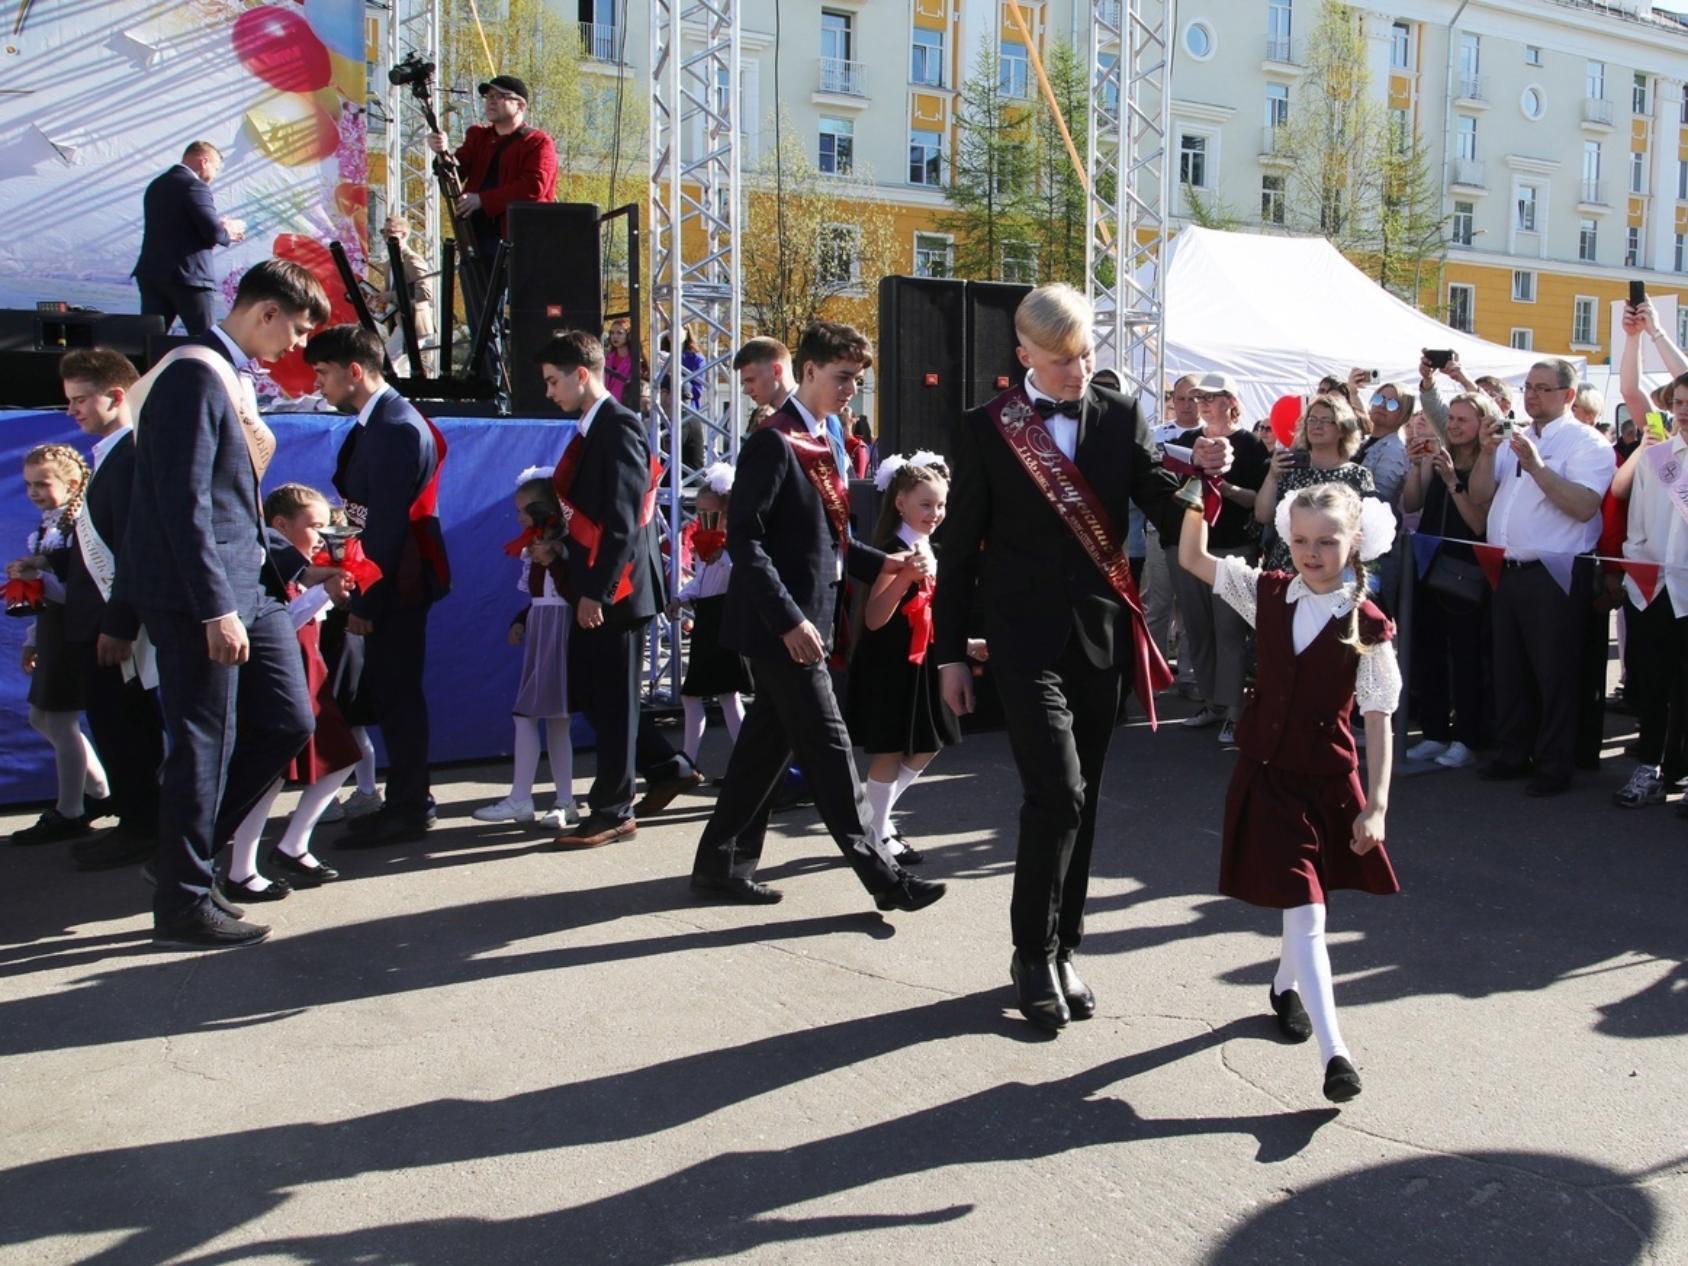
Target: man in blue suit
(231,683)
(182,229)
(388,475)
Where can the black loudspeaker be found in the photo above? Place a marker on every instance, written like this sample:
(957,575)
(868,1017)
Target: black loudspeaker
(992,365)
(29,379)
(556,283)
(922,362)
(157,345)
(127,332)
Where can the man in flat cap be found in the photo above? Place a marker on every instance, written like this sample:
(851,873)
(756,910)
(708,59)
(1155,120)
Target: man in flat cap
(502,161)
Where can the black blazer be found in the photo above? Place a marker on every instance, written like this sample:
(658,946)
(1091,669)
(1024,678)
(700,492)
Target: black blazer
(86,613)
(182,229)
(1003,543)
(383,467)
(193,542)
(781,546)
(610,482)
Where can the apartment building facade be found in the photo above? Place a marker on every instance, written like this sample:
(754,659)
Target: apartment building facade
(1556,131)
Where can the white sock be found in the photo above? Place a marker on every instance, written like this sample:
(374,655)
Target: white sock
(71,755)
(243,848)
(879,797)
(296,840)
(365,766)
(732,712)
(525,763)
(905,779)
(559,751)
(694,723)
(1307,962)
(95,784)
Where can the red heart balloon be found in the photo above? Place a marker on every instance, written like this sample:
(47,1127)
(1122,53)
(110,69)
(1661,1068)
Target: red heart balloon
(279,47)
(1286,419)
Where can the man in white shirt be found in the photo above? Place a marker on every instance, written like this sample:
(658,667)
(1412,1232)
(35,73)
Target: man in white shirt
(1543,485)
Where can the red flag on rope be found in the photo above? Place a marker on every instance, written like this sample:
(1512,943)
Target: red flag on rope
(1490,558)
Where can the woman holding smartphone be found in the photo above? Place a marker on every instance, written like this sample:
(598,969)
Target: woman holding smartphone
(1322,453)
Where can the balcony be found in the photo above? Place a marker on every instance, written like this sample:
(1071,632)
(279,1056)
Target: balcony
(1471,92)
(1284,55)
(1596,112)
(1274,145)
(1468,173)
(1593,197)
(842,78)
(602,41)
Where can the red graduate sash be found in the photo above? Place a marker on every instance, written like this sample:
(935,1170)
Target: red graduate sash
(427,506)
(820,468)
(582,530)
(1069,494)
(1182,462)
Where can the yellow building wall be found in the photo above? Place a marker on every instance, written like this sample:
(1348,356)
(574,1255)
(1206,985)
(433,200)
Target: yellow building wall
(1495,314)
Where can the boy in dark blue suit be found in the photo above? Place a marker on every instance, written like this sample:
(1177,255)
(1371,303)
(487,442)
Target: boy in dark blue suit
(181,230)
(231,683)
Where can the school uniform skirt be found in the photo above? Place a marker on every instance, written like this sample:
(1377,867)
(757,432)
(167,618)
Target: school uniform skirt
(56,683)
(544,687)
(712,669)
(892,705)
(331,746)
(1287,838)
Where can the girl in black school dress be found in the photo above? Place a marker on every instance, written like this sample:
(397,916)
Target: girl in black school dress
(894,707)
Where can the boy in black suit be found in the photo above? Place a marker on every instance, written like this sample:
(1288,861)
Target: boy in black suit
(789,538)
(231,683)
(181,229)
(100,623)
(1061,629)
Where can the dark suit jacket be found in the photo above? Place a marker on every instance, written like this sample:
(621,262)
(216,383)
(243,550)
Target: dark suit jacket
(86,613)
(1003,543)
(182,228)
(781,546)
(383,466)
(194,542)
(609,488)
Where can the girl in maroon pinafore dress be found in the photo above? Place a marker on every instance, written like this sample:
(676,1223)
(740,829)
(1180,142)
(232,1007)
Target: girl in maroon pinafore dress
(1297,821)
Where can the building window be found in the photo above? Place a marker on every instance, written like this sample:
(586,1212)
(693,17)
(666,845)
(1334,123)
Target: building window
(1110,86)
(1531,102)
(1632,246)
(926,61)
(1461,300)
(1591,165)
(1192,160)
(1582,321)
(1523,340)
(1401,46)
(1019,263)
(1400,129)
(1526,209)
(1272,200)
(1682,326)
(1014,70)
(934,255)
(1470,63)
(925,158)
(836,32)
(1532,55)
(1279,24)
(1637,172)
(1277,105)
(1594,81)
(839,261)
(1682,181)
(1588,240)
(1638,94)
(838,146)
(1466,139)
(1523,286)
(1464,214)
(1198,41)
(1681,256)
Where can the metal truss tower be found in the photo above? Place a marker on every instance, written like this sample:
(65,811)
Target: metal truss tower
(1130,121)
(696,207)
(409,189)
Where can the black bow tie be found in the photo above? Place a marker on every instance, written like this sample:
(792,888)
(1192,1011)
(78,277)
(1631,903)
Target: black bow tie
(1047,409)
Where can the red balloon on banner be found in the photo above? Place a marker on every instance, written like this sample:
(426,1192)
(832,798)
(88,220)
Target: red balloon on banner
(1286,418)
(279,47)
(291,372)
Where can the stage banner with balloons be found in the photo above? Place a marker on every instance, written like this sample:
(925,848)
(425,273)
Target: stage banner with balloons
(97,100)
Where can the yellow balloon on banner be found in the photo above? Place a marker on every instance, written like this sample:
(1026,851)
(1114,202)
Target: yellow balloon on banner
(349,77)
(296,129)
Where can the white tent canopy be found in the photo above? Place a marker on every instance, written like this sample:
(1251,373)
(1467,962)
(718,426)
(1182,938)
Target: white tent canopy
(1279,313)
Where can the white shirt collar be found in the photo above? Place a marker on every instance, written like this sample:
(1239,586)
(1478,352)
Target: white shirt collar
(911,536)
(369,405)
(241,359)
(586,418)
(1337,603)
(106,443)
(1036,392)
(817,426)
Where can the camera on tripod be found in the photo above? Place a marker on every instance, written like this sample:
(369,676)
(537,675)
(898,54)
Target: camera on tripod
(412,70)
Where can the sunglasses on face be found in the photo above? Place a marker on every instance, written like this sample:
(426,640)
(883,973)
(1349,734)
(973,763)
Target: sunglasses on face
(1384,402)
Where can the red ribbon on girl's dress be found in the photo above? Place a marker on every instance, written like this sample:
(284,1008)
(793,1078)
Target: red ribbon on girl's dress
(708,542)
(360,567)
(528,537)
(24,594)
(918,611)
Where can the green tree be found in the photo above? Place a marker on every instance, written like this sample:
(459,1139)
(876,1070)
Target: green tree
(993,175)
(1412,240)
(1057,204)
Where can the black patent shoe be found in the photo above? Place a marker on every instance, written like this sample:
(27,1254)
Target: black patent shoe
(1342,1083)
(303,872)
(910,894)
(1293,1022)
(1038,991)
(1081,1002)
(242,890)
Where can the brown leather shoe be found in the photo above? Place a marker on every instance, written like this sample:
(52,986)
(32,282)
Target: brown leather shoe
(659,795)
(595,832)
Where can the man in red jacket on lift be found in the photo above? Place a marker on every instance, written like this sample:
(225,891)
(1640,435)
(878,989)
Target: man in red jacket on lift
(502,161)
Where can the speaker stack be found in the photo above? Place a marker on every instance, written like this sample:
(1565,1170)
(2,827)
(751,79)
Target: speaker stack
(556,283)
(31,343)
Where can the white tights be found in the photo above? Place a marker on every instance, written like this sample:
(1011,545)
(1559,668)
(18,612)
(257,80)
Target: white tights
(79,770)
(525,764)
(732,712)
(366,765)
(1305,967)
(296,840)
(313,802)
(243,848)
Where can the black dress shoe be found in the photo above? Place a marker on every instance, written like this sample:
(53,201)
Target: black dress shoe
(93,810)
(1546,785)
(1342,1083)
(910,894)
(746,891)
(303,872)
(659,795)
(117,847)
(1502,771)
(1039,991)
(387,826)
(1292,1016)
(207,928)
(275,890)
(910,856)
(50,828)
(1080,1001)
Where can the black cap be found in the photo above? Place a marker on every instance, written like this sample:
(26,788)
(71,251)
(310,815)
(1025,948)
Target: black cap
(505,83)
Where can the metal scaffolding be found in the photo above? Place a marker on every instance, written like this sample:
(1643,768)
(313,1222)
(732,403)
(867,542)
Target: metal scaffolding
(695,284)
(406,26)
(1130,122)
